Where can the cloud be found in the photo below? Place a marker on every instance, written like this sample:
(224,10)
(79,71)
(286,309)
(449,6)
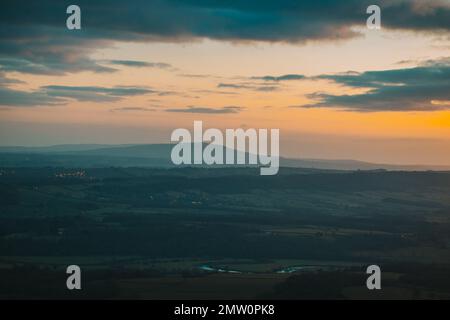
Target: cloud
(199,76)
(285,77)
(34,34)
(57,95)
(234,86)
(423,88)
(209,110)
(169,93)
(18,98)
(140,64)
(56,65)
(271,85)
(267,88)
(127,109)
(5,81)
(443,61)
(265,20)
(93,93)
(206,91)
(248,86)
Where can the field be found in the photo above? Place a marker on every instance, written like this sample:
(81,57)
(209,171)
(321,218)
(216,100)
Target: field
(223,233)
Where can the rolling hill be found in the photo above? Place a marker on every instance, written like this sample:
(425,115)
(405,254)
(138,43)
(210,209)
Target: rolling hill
(156,155)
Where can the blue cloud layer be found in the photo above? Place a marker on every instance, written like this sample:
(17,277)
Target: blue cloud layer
(34,31)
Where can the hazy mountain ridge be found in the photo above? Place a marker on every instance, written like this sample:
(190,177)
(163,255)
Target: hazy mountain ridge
(156,155)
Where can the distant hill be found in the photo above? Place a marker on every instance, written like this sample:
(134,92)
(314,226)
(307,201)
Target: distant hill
(56,148)
(156,155)
(159,151)
(355,165)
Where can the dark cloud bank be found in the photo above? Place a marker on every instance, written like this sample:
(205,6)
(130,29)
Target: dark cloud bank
(34,38)
(411,89)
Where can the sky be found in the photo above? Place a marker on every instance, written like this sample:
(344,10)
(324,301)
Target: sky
(137,70)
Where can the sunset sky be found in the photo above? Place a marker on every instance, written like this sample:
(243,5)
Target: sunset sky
(137,70)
